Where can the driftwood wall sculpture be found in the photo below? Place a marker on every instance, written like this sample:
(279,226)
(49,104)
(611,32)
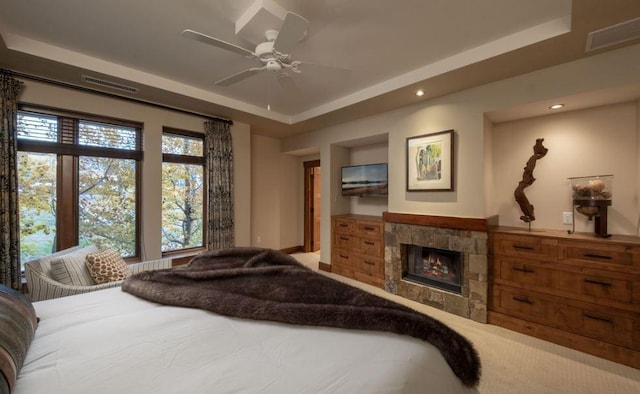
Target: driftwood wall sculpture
(539,151)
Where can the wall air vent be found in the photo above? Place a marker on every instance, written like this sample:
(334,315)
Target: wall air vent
(616,34)
(110,84)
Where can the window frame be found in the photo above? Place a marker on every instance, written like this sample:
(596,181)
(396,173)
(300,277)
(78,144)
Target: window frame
(69,152)
(191,160)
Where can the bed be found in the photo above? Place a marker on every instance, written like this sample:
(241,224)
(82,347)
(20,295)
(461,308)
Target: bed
(111,341)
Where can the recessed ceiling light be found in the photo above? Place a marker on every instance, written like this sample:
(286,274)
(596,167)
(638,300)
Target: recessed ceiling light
(420,93)
(556,106)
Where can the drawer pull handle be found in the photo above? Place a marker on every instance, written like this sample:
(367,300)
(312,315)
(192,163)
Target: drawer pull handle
(343,225)
(369,228)
(523,299)
(597,282)
(369,243)
(598,318)
(522,247)
(524,269)
(369,262)
(344,257)
(597,256)
(344,238)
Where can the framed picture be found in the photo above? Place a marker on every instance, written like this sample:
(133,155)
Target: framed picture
(430,162)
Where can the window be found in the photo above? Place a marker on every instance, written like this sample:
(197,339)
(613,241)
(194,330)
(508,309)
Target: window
(182,190)
(78,182)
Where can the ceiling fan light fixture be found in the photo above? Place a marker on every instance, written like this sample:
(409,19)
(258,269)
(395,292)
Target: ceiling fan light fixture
(273,65)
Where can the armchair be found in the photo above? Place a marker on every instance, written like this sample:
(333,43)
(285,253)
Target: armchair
(43,286)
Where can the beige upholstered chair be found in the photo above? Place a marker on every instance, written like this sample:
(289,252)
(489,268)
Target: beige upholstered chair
(43,286)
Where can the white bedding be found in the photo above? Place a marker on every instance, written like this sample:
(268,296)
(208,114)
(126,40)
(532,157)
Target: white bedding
(112,342)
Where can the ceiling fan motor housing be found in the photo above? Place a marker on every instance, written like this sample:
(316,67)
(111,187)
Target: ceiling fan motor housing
(264,50)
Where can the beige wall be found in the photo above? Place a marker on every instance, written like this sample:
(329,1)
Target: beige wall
(276,201)
(594,141)
(475,151)
(368,154)
(154,119)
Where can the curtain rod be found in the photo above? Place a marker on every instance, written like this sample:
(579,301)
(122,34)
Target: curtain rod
(111,95)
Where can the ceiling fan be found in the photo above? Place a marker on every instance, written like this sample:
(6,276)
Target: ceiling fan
(273,54)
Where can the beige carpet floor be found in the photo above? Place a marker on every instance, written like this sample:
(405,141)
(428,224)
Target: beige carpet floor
(515,363)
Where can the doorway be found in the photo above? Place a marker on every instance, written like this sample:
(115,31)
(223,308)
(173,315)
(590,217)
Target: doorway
(312,182)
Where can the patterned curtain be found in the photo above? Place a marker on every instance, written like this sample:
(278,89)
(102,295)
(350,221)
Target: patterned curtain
(10,272)
(219,166)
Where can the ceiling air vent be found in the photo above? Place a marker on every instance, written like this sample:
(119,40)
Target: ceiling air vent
(625,31)
(110,84)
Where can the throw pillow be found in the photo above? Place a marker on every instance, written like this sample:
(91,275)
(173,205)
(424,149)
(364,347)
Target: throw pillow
(107,266)
(70,269)
(18,324)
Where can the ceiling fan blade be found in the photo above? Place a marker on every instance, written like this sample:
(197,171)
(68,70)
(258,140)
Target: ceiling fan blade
(293,29)
(188,33)
(303,66)
(288,84)
(239,76)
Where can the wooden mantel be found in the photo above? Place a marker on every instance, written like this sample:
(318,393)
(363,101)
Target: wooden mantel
(458,223)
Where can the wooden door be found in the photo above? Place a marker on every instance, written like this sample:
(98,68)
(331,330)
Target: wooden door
(312,182)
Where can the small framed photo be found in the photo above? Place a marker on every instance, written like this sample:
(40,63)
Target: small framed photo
(430,162)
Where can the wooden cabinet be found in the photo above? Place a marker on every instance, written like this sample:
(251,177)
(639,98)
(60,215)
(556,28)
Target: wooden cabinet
(357,248)
(576,290)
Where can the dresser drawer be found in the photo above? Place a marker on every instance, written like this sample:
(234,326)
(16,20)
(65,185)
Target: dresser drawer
(369,279)
(370,228)
(346,226)
(345,241)
(535,307)
(606,324)
(610,326)
(602,287)
(344,258)
(370,265)
(607,256)
(371,246)
(536,248)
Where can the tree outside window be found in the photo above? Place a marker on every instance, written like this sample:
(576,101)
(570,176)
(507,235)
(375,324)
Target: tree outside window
(78,183)
(182,190)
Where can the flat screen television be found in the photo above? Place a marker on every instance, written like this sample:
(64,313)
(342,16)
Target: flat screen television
(365,180)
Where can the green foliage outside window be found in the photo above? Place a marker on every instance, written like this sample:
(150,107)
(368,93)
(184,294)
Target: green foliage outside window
(106,192)
(182,192)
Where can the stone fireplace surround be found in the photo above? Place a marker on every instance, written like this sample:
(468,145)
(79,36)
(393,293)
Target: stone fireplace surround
(466,235)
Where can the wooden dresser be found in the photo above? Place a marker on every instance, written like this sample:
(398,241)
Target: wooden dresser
(577,290)
(357,248)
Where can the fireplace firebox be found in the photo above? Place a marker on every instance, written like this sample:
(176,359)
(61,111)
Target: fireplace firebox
(434,267)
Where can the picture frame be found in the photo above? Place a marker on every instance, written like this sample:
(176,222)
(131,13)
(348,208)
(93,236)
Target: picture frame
(430,162)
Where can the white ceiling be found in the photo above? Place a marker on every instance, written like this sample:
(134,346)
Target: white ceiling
(390,47)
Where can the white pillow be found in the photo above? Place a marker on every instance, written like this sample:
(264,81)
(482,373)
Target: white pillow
(70,269)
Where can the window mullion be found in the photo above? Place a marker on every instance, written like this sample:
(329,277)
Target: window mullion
(67,202)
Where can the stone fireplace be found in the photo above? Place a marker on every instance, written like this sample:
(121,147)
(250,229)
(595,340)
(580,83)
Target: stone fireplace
(450,255)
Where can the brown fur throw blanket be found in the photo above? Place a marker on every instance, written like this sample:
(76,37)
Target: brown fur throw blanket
(264,284)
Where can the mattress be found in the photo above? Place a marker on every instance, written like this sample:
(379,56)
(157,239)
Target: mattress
(109,341)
